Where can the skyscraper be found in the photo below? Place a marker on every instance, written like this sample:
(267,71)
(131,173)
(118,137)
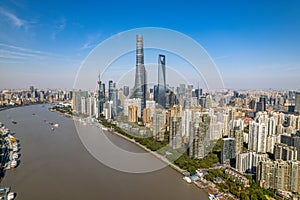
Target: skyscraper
(297,102)
(197,138)
(228,150)
(32,92)
(111,87)
(126,91)
(161,100)
(100,98)
(140,86)
(100,104)
(112,96)
(258,136)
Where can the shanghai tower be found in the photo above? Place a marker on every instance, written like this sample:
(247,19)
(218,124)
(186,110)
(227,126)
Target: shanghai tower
(140,86)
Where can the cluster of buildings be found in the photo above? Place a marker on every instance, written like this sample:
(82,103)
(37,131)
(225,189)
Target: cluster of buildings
(19,97)
(259,129)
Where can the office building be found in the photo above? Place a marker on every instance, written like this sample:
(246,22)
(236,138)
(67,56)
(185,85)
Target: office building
(100,98)
(140,86)
(161,99)
(126,91)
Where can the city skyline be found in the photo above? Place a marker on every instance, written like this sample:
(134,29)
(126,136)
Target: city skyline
(255,45)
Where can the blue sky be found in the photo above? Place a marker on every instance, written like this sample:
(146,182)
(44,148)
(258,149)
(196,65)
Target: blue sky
(255,44)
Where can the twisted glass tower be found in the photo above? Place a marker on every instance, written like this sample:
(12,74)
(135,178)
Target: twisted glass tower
(140,86)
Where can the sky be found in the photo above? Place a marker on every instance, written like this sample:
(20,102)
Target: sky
(254,44)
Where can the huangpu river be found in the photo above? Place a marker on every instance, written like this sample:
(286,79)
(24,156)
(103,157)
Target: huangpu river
(56,165)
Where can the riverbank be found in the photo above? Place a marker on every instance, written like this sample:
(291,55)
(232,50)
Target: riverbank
(60,112)
(18,106)
(162,158)
(9,158)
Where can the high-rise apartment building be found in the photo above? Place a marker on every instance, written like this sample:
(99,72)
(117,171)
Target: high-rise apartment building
(175,137)
(258,136)
(228,150)
(132,113)
(198,131)
(285,152)
(159,120)
(293,140)
(280,175)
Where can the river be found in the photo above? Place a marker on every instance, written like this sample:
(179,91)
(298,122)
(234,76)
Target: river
(56,165)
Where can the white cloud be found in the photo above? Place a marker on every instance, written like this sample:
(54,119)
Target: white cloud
(60,25)
(18,22)
(15,53)
(10,53)
(8,46)
(92,41)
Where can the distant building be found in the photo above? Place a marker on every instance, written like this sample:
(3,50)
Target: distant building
(77,105)
(113,96)
(32,92)
(107,111)
(83,105)
(126,91)
(297,102)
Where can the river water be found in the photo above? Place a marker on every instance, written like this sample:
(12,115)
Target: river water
(56,165)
